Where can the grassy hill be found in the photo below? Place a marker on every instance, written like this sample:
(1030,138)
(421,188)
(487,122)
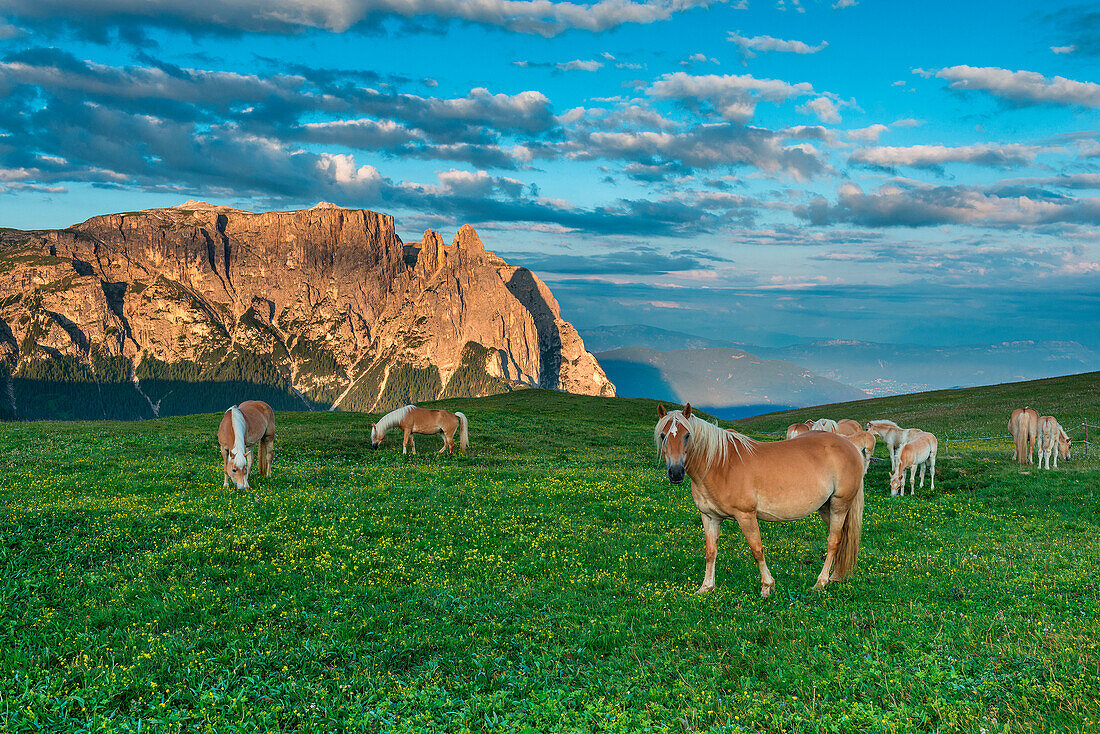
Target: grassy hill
(543,582)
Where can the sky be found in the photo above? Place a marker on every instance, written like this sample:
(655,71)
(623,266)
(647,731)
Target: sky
(759,171)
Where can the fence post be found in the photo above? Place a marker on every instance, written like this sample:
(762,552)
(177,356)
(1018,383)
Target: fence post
(1086,438)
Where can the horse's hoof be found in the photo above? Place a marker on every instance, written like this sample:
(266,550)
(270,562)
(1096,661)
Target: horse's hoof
(821,584)
(704,589)
(766,591)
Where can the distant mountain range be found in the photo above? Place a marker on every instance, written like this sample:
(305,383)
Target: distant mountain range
(728,383)
(882,369)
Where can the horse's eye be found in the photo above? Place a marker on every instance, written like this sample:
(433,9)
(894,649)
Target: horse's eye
(662,437)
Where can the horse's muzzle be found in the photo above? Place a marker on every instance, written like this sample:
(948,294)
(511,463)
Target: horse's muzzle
(676,473)
(375,445)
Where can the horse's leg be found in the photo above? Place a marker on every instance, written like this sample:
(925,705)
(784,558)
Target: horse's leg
(251,456)
(225,458)
(412,440)
(923,466)
(269,454)
(446,443)
(405,443)
(837,515)
(751,529)
(933,471)
(712,529)
(912,480)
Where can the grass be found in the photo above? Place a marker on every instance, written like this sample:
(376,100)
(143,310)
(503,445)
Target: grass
(543,582)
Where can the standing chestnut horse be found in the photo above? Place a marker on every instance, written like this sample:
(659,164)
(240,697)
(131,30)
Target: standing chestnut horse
(244,426)
(1023,424)
(425,421)
(733,476)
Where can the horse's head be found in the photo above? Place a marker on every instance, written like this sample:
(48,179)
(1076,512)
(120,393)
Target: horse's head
(375,439)
(1063,446)
(237,465)
(897,482)
(673,438)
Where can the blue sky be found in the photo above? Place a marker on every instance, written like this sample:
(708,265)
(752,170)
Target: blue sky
(751,170)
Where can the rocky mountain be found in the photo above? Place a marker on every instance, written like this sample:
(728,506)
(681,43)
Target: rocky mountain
(728,383)
(192,308)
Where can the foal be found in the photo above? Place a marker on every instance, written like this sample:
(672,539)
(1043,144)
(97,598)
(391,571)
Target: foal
(919,451)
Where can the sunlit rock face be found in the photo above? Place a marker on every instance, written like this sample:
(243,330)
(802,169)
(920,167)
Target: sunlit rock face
(326,305)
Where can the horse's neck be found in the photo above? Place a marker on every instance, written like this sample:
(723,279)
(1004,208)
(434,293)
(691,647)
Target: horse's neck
(698,471)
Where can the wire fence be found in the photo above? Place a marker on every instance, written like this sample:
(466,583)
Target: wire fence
(961,442)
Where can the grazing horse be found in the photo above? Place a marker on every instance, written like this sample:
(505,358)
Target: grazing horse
(252,423)
(848,427)
(797,429)
(424,421)
(920,450)
(893,436)
(1052,439)
(865,442)
(824,424)
(1023,424)
(733,476)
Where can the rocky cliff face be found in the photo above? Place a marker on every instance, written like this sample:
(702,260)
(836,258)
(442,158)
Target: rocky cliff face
(325,307)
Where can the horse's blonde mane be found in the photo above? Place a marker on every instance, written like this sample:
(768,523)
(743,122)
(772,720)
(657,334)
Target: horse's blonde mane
(709,442)
(240,427)
(391,419)
(887,422)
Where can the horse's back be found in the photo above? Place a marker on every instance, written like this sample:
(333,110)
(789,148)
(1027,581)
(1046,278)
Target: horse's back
(848,427)
(816,452)
(258,415)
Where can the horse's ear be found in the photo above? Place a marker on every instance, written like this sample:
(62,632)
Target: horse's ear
(661,412)
(687,410)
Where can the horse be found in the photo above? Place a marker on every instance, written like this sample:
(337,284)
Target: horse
(1052,439)
(424,421)
(865,442)
(733,476)
(252,423)
(824,424)
(920,450)
(848,427)
(893,436)
(1023,424)
(797,429)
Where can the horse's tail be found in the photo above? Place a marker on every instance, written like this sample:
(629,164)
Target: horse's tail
(463,432)
(849,538)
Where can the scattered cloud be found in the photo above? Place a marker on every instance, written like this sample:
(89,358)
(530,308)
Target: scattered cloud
(732,97)
(916,205)
(935,156)
(825,109)
(1020,87)
(1063,49)
(338,16)
(750,46)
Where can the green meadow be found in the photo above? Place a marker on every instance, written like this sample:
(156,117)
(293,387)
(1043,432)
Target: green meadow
(544,582)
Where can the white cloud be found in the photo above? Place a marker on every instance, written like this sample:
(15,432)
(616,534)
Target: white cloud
(840,4)
(279,16)
(1063,49)
(1021,87)
(932,156)
(580,65)
(751,45)
(733,96)
(869,134)
(825,109)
